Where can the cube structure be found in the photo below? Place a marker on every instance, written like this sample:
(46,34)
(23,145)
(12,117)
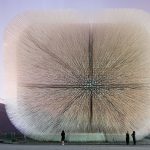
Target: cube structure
(87,74)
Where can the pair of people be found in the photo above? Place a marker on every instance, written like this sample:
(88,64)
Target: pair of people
(128,138)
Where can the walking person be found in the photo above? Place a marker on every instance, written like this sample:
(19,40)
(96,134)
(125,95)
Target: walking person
(134,138)
(127,138)
(63,137)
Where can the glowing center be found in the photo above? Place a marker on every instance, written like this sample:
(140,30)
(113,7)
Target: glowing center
(90,85)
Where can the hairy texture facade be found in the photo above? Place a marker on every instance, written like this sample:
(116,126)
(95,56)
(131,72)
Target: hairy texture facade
(79,74)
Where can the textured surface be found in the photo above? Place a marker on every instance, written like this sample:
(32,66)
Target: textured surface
(80,75)
(72,147)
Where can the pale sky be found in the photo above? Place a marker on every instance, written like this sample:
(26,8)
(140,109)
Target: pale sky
(10,8)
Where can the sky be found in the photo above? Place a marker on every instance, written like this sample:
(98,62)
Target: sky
(10,8)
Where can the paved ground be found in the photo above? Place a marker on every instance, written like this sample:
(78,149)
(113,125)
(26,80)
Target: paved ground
(73,147)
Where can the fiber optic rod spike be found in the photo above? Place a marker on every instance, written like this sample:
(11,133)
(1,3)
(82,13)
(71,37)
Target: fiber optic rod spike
(97,86)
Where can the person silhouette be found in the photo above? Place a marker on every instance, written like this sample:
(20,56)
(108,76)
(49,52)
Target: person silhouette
(134,138)
(127,138)
(62,137)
